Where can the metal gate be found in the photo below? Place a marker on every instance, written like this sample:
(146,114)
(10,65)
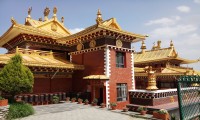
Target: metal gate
(189,97)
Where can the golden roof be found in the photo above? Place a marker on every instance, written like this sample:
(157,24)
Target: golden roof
(109,25)
(99,77)
(39,58)
(159,55)
(35,27)
(168,71)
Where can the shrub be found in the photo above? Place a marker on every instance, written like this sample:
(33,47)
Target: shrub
(86,101)
(80,100)
(55,99)
(1,98)
(18,110)
(73,99)
(141,108)
(163,111)
(15,78)
(113,104)
(95,101)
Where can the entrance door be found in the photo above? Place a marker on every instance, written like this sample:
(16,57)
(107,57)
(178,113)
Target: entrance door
(100,100)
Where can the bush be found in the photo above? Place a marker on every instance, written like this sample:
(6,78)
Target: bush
(141,108)
(15,78)
(18,110)
(163,111)
(95,101)
(113,104)
(1,98)
(55,99)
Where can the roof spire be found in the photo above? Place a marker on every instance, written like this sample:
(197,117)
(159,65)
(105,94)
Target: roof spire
(29,12)
(13,21)
(143,47)
(171,44)
(158,44)
(99,18)
(54,12)
(154,46)
(46,13)
(62,20)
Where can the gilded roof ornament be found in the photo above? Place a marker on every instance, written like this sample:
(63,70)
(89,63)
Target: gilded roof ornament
(158,44)
(171,44)
(154,46)
(143,47)
(99,19)
(54,11)
(62,20)
(13,20)
(29,12)
(46,13)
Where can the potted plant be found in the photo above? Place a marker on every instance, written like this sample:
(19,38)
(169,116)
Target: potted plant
(67,99)
(125,109)
(73,99)
(161,114)
(55,99)
(142,110)
(3,101)
(103,105)
(86,101)
(94,102)
(80,101)
(113,105)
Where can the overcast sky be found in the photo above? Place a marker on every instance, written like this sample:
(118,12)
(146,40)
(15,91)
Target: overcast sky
(165,20)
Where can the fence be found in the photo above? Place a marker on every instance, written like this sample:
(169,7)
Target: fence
(189,97)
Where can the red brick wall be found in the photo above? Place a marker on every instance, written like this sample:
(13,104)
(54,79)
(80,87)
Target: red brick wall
(119,75)
(94,65)
(42,85)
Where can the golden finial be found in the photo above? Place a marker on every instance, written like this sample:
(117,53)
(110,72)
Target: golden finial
(171,44)
(13,20)
(158,44)
(29,12)
(54,11)
(99,19)
(46,13)
(154,46)
(62,20)
(143,47)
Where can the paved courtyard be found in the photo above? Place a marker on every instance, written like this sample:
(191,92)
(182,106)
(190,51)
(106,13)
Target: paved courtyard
(74,111)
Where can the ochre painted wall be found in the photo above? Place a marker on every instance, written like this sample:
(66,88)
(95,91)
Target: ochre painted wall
(119,75)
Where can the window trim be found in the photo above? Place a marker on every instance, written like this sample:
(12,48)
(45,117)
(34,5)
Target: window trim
(118,64)
(123,94)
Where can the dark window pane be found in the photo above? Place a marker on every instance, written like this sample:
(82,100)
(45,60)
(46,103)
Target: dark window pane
(120,59)
(121,92)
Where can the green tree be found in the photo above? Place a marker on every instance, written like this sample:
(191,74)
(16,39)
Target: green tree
(15,78)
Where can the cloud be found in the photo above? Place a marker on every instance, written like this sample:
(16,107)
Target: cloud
(164,21)
(184,9)
(197,1)
(75,30)
(173,31)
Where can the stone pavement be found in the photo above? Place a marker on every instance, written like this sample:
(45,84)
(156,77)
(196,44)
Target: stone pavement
(74,111)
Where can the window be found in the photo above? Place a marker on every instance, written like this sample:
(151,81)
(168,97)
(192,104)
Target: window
(121,92)
(120,59)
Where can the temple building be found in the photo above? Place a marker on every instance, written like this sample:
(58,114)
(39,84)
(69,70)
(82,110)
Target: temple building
(97,62)
(166,64)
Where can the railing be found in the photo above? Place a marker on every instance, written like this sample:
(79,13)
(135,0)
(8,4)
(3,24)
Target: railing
(189,97)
